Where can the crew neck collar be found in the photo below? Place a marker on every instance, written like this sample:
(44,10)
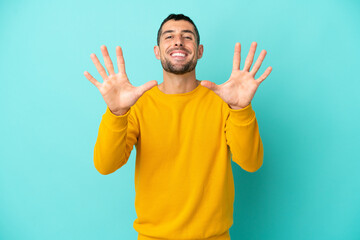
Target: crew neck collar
(158,91)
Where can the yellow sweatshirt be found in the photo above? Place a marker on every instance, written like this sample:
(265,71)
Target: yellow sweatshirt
(183,178)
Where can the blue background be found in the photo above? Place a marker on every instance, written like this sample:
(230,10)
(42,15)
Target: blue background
(307,110)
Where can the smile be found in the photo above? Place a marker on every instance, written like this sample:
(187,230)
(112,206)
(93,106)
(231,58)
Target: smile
(178,54)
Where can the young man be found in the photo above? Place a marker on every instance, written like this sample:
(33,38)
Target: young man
(185,132)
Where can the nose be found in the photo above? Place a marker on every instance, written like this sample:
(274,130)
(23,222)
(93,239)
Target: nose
(178,41)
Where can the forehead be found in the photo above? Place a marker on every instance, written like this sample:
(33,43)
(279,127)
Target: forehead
(177,26)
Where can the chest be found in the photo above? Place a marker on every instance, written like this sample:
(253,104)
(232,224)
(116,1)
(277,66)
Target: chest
(191,125)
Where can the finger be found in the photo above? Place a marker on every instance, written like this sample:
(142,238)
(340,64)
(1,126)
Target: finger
(98,66)
(92,79)
(264,75)
(120,60)
(147,86)
(210,85)
(250,57)
(258,62)
(108,63)
(237,57)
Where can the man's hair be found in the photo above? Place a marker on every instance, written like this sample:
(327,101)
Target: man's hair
(178,17)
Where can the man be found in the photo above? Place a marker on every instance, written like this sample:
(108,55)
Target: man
(185,132)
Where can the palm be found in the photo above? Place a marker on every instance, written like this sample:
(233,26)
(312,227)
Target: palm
(118,93)
(240,89)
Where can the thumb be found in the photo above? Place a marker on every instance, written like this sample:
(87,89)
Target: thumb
(210,85)
(147,86)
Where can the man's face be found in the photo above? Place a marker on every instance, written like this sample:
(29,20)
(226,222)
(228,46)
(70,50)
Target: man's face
(178,50)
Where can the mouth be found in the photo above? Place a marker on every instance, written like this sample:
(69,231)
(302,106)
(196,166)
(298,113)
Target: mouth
(179,55)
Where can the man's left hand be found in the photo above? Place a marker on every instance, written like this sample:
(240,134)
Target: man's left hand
(240,89)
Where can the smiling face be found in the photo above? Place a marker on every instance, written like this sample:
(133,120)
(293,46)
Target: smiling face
(178,50)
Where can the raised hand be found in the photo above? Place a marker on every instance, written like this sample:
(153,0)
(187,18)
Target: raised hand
(116,89)
(240,89)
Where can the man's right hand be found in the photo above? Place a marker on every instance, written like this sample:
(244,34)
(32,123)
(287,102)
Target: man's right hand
(117,91)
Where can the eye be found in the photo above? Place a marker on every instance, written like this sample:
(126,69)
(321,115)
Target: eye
(167,37)
(188,38)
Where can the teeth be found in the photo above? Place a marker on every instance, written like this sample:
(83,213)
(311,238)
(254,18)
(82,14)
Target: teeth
(178,54)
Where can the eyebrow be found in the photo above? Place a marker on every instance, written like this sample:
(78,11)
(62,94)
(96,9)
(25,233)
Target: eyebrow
(183,31)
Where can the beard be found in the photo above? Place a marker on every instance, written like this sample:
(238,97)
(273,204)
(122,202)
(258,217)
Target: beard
(178,70)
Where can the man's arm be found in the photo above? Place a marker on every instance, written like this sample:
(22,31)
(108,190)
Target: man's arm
(243,138)
(118,131)
(242,131)
(116,138)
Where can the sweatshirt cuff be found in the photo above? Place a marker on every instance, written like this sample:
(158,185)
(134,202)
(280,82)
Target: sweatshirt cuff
(115,122)
(242,116)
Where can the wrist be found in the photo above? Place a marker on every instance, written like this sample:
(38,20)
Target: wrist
(119,112)
(235,107)
(238,107)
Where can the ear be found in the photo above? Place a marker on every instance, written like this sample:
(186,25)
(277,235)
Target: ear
(200,51)
(157,52)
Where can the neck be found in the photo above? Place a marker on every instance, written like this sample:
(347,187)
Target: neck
(175,84)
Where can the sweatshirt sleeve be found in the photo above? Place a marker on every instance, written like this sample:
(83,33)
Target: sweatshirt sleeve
(116,137)
(243,138)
